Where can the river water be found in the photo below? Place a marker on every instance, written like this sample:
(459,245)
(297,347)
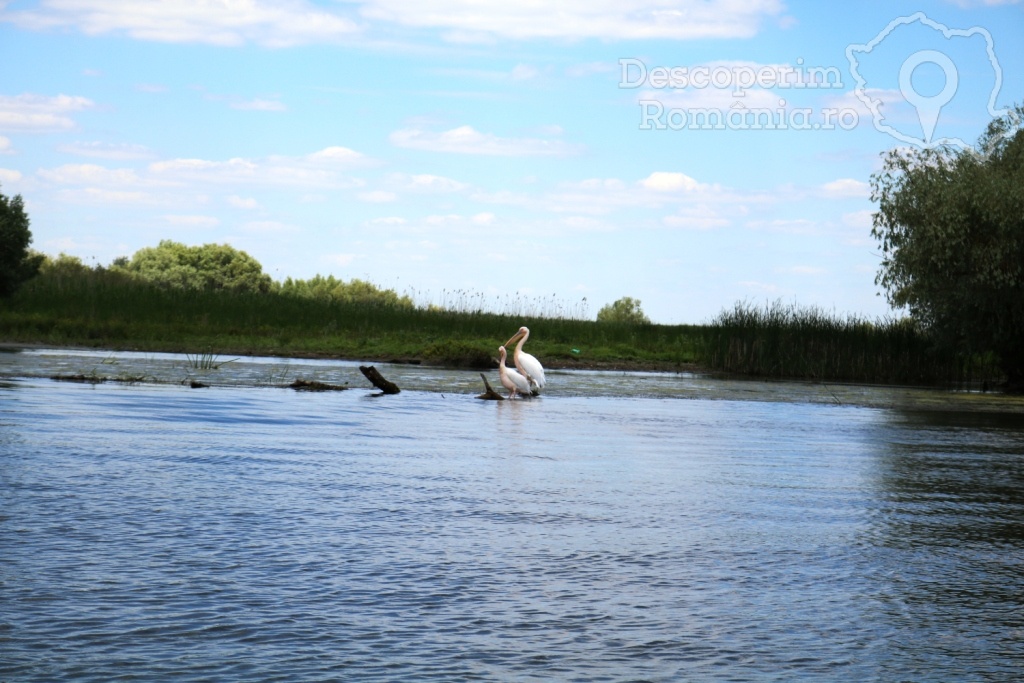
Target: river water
(623,527)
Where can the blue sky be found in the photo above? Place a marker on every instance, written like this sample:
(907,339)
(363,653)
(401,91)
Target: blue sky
(687,153)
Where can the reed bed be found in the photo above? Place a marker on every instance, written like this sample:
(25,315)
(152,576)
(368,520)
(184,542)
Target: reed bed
(789,341)
(101,308)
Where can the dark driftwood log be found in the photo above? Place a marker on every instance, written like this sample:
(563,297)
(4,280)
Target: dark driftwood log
(490,394)
(378,381)
(313,385)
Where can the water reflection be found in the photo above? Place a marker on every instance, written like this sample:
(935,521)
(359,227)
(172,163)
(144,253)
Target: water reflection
(947,539)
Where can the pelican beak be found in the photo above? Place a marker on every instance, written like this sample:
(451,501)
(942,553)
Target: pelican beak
(514,338)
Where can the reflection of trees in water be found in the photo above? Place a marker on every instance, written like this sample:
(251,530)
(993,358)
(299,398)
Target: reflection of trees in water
(946,557)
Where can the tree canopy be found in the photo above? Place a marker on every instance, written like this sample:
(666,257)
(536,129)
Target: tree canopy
(950,224)
(17,264)
(355,291)
(625,310)
(209,267)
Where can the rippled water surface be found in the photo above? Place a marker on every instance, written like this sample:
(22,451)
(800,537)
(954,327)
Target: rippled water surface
(149,531)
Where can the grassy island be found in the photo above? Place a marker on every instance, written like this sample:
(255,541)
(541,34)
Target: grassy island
(98,308)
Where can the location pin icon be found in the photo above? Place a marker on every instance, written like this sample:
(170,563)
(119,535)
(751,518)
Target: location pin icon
(928,108)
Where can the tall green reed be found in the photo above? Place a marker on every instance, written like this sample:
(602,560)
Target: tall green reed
(789,341)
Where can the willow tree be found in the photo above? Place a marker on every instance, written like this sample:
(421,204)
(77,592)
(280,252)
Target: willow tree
(17,264)
(950,223)
(625,310)
(210,267)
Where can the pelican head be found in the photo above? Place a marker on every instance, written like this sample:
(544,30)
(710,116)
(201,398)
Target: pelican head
(523,333)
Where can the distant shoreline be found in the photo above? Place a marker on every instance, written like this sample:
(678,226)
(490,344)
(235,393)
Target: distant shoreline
(621,365)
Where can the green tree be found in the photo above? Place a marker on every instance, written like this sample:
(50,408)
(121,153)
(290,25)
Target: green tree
(209,267)
(355,291)
(17,264)
(625,310)
(950,224)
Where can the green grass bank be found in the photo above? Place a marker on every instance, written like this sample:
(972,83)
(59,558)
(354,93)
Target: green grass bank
(785,342)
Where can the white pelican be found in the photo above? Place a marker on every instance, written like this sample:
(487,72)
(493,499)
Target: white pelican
(529,366)
(510,379)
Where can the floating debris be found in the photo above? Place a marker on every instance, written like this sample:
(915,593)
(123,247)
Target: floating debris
(91,379)
(378,380)
(313,385)
(490,394)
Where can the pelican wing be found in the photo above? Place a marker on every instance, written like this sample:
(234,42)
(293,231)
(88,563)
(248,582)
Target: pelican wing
(531,367)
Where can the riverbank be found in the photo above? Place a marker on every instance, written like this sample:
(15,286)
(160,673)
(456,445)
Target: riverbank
(92,310)
(130,368)
(607,364)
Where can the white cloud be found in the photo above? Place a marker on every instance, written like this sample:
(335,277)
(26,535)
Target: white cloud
(474,20)
(696,217)
(260,105)
(40,113)
(661,181)
(426,182)
(247,203)
(272,23)
(5,145)
(598,196)
(319,169)
(467,140)
(338,155)
(861,220)
(104,150)
(846,187)
(8,175)
(99,195)
(378,196)
(93,174)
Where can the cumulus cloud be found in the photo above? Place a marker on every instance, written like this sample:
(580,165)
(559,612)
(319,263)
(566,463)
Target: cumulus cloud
(247,203)
(469,20)
(172,181)
(320,169)
(860,220)
(426,182)
(661,181)
(468,140)
(8,175)
(101,195)
(272,23)
(846,187)
(378,196)
(93,174)
(106,150)
(40,113)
